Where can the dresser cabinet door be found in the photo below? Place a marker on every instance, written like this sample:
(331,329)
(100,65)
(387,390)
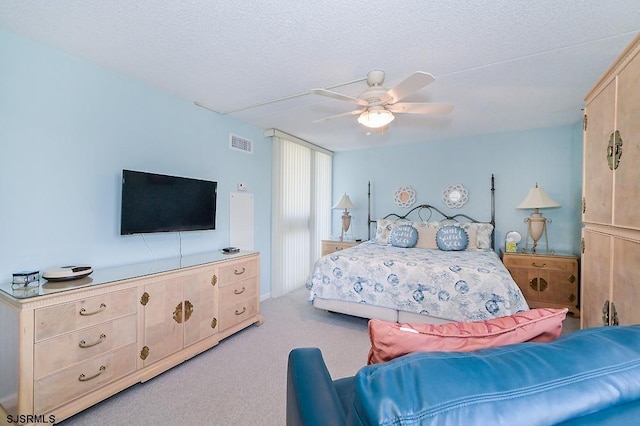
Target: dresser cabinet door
(163,320)
(201,306)
(520,269)
(561,278)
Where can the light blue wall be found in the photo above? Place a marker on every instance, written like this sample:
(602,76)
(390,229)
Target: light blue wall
(551,157)
(67,129)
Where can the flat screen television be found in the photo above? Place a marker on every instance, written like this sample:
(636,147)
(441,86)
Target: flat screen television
(161,203)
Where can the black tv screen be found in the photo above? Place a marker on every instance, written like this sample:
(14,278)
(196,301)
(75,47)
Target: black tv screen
(160,203)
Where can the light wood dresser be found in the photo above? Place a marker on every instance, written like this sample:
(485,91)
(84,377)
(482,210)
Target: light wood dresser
(68,345)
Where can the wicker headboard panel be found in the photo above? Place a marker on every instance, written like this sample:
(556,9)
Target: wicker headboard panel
(425,212)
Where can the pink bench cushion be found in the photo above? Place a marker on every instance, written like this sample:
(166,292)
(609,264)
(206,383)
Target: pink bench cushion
(390,340)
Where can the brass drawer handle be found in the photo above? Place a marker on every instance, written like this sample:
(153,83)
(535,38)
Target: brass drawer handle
(538,266)
(241,272)
(144,353)
(84,378)
(538,284)
(85,345)
(144,299)
(605,313)
(214,280)
(239,292)
(244,309)
(188,310)
(84,312)
(177,313)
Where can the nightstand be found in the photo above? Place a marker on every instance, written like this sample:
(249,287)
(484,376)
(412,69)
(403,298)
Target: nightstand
(330,246)
(546,280)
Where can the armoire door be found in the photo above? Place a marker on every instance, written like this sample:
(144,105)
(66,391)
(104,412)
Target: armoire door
(627,174)
(598,187)
(626,281)
(596,270)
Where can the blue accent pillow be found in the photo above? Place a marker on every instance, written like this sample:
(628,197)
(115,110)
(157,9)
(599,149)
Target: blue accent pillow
(452,238)
(405,236)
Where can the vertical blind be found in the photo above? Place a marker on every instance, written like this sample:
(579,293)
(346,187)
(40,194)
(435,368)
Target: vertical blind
(301,210)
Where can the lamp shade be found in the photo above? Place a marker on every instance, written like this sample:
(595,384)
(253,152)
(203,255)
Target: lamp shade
(537,199)
(375,117)
(345,203)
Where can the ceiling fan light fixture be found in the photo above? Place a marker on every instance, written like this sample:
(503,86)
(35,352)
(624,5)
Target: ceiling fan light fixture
(375,118)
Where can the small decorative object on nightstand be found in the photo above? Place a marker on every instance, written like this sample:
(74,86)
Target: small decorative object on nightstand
(546,281)
(330,246)
(511,241)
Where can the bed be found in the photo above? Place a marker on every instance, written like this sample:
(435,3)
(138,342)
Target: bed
(426,269)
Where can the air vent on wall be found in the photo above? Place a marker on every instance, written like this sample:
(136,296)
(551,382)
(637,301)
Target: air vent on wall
(240,144)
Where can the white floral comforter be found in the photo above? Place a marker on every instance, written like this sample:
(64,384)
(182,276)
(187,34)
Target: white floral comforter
(452,285)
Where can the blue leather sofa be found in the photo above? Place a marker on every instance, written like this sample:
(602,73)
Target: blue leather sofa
(590,377)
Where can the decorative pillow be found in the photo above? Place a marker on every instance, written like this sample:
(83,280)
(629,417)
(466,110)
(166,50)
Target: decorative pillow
(390,340)
(452,238)
(404,236)
(384,228)
(473,237)
(482,233)
(426,234)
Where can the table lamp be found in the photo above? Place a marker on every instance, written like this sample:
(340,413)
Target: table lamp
(345,203)
(537,224)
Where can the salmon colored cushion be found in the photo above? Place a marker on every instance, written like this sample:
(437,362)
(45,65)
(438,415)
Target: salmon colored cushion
(390,340)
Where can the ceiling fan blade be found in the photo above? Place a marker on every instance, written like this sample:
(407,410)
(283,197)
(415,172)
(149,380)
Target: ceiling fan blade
(339,96)
(421,108)
(354,112)
(410,85)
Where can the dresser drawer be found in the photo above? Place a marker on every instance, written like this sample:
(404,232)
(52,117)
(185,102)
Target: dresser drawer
(237,292)
(238,271)
(561,264)
(75,315)
(330,246)
(63,351)
(81,379)
(237,313)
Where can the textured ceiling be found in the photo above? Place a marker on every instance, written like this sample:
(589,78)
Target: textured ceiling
(507,65)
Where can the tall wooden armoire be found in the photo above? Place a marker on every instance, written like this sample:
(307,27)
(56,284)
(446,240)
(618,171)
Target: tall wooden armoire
(610,293)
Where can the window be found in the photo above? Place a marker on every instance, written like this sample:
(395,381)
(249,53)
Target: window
(301,209)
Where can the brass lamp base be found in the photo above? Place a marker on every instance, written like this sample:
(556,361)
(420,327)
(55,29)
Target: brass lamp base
(537,227)
(346,223)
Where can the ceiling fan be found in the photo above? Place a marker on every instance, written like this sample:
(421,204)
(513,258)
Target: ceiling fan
(378,104)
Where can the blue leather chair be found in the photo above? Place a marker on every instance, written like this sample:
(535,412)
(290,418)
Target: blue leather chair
(590,377)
